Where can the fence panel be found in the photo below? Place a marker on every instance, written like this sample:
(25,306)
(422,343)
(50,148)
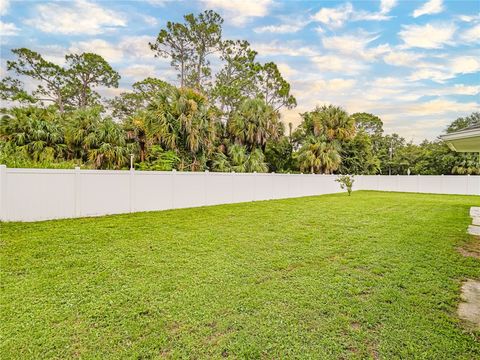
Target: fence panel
(152,190)
(104,192)
(42,194)
(218,187)
(37,194)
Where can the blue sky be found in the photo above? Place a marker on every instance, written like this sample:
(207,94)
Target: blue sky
(416,64)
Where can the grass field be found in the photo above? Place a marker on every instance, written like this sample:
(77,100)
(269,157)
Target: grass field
(374,275)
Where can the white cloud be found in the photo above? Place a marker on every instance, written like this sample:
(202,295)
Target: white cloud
(159,3)
(465,65)
(429,8)
(339,64)
(112,92)
(448,70)
(348,43)
(389,81)
(458,89)
(79,17)
(429,36)
(110,52)
(430,74)
(150,20)
(292,115)
(275,48)
(401,58)
(287,25)
(334,17)
(441,106)
(135,47)
(239,12)
(53,53)
(469,18)
(139,71)
(332,85)
(8,29)
(387,5)
(4,6)
(472,35)
(355,45)
(286,70)
(279,29)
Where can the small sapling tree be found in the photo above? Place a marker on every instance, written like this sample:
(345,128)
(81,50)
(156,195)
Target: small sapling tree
(346,182)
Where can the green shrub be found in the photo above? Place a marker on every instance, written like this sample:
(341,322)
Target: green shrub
(346,182)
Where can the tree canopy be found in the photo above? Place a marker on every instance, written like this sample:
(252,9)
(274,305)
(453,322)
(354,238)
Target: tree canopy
(219,118)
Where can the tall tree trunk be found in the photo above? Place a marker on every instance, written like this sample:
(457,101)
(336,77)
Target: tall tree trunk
(182,74)
(199,67)
(83,96)
(142,151)
(60,104)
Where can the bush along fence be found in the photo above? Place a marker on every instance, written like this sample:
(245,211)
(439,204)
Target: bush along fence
(43,194)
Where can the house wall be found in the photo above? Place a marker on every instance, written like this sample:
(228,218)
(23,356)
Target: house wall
(43,194)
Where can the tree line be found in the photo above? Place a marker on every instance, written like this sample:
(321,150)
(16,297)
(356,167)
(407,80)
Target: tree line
(223,120)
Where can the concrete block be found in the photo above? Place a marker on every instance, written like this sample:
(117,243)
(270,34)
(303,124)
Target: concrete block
(475,211)
(474,230)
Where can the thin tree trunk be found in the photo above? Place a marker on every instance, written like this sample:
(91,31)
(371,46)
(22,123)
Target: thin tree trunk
(142,151)
(84,96)
(60,104)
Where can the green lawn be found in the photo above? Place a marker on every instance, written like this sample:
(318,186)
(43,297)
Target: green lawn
(374,275)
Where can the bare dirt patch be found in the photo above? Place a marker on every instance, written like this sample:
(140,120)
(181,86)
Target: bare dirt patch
(355,325)
(469,309)
(471,249)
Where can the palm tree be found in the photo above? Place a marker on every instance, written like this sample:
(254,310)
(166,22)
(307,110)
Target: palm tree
(182,120)
(238,158)
(35,132)
(332,122)
(101,142)
(254,123)
(220,163)
(256,162)
(242,161)
(319,156)
(107,146)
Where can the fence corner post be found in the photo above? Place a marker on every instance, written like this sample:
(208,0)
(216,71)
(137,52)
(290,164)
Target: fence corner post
(3,193)
(132,189)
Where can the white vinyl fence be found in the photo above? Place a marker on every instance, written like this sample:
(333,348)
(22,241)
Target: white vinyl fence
(42,194)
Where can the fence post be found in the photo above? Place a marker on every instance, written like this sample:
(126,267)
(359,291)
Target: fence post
(205,189)
(232,194)
(174,173)
(77,189)
(468,180)
(272,193)
(289,185)
(132,189)
(254,186)
(3,193)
